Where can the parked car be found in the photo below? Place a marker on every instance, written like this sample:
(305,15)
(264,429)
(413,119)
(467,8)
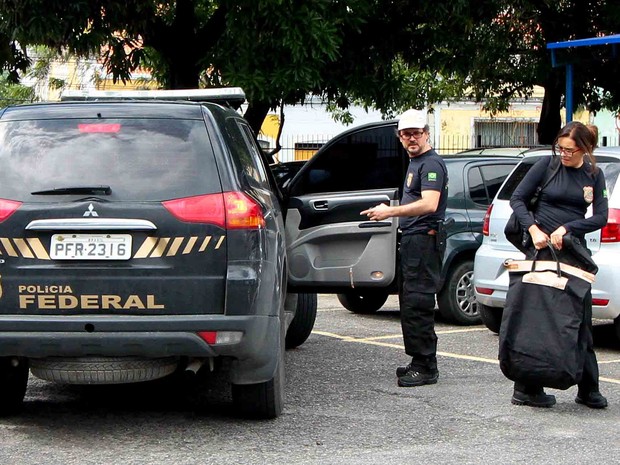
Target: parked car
(139,239)
(333,249)
(491,277)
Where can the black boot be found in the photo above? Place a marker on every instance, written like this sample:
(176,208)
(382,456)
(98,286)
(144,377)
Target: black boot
(534,397)
(593,399)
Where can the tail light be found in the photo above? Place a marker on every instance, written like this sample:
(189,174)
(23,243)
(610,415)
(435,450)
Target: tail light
(231,210)
(7,208)
(484,290)
(486,221)
(611,231)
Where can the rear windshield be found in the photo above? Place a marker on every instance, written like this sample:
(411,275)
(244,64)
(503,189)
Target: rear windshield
(139,159)
(610,167)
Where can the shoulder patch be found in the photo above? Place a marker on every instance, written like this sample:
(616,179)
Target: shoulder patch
(432,176)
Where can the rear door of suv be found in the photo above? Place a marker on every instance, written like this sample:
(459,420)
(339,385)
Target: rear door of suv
(332,247)
(103,212)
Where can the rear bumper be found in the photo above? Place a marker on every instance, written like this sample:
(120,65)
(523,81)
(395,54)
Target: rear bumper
(254,356)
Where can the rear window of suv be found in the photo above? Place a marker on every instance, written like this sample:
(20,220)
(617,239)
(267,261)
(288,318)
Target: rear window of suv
(140,159)
(609,165)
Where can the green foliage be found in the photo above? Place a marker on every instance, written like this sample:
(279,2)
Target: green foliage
(387,54)
(13,94)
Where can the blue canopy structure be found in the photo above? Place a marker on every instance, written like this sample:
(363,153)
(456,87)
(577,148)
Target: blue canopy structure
(612,40)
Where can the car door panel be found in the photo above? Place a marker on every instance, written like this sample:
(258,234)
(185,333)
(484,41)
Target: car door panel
(329,244)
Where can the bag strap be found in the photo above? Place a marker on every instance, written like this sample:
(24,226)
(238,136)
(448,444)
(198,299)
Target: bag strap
(550,172)
(547,265)
(553,254)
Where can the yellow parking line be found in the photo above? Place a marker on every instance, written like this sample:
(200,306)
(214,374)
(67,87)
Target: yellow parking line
(375,341)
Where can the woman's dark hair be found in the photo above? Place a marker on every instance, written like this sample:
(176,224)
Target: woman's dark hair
(585,138)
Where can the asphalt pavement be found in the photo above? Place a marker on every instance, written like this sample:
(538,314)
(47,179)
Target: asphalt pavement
(343,407)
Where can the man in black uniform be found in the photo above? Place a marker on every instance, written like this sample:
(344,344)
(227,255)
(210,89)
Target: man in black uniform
(422,246)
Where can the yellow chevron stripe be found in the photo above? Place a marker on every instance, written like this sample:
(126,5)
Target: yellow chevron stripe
(160,248)
(38,248)
(174,248)
(8,246)
(23,248)
(204,244)
(190,245)
(219,243)
(146,247)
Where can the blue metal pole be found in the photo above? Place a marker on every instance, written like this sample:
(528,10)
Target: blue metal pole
(569,92)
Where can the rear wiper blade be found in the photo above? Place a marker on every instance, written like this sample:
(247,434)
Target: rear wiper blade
(76,190)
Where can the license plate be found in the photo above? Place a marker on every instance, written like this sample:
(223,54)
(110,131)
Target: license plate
(90,247)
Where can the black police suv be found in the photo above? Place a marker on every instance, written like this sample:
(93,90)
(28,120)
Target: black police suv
(140,238)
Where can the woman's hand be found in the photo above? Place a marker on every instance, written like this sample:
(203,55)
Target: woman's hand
(539,238)
(557,237)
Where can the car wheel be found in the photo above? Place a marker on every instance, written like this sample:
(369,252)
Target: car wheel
(617,327)
(305,315)
(13,379)
(456,300)
(363,301)
(261,400)
(492,317)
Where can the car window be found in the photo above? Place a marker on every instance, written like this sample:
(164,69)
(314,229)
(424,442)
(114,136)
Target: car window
(246,150)
(368,159)
(610,167)
(485,180)
(140,159)
(515,178)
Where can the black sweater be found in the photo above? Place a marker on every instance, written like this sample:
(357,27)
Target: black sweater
(564,201)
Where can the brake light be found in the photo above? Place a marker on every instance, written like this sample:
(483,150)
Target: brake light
(486,221)
(232,210)
(7,208)
(99,127)
(600,302)
(242,212)
(611,231)
(200,209)
(484,290)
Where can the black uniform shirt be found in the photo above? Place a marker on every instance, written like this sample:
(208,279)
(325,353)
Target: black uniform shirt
(426,172)
(564,201)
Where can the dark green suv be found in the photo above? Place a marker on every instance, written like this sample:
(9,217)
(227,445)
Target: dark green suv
(333,250)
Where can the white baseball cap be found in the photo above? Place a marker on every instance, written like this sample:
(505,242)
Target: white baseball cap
(412,119)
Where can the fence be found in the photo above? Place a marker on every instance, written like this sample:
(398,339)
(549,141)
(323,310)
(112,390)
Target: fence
(302,147)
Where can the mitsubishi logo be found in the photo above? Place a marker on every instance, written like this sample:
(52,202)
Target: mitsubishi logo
(91,211)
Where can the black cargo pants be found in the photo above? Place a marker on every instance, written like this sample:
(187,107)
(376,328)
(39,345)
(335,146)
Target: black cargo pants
(420,271)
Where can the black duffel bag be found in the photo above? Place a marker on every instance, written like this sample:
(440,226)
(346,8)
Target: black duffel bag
(542,340)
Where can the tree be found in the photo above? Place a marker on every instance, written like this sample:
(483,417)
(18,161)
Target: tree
(388,54)
(12,94)
(274,49)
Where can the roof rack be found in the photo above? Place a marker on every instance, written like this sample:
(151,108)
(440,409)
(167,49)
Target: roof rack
(232,96)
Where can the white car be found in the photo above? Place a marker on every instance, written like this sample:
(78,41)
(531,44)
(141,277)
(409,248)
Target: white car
(491,277)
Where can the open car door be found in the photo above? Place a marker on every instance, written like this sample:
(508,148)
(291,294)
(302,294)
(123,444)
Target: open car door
(330,246)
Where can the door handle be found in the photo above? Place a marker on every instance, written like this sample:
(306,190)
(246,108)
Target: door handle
(320,204)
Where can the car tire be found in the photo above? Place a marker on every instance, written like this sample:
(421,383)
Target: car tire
(457,300)
(617,327)
(305,315)
(491,317)
(364,302)
(102,370)
(13,379)
(261,400)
